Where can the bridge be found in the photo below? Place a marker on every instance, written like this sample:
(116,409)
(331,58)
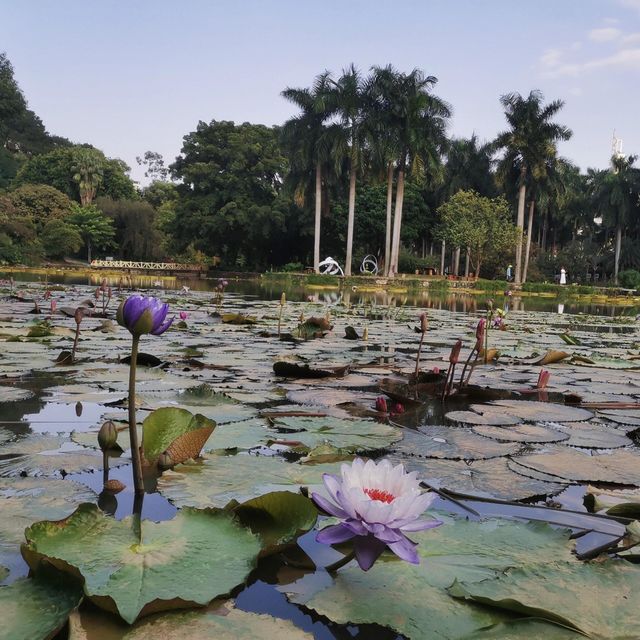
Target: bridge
(132,265)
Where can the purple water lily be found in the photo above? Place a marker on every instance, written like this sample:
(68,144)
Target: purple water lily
(378,504)
(141,314)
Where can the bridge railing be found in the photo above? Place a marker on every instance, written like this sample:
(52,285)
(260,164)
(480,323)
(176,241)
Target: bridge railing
(147,266)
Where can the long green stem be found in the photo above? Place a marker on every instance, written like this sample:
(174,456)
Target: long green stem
(75,344)
(133,433)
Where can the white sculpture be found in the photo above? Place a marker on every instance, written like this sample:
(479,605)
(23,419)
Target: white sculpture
(330,267)
(369,265)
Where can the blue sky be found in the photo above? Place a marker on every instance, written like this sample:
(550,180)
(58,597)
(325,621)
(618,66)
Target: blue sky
(132,76)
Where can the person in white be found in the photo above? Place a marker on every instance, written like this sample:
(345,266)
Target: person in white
(563,276)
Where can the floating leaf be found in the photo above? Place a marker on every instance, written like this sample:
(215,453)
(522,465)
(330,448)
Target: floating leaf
(522,433)
(33,608)
(14,394)
(532,411)
(178,563)
(556,592)
(237,318)
(176,431)
(489,416)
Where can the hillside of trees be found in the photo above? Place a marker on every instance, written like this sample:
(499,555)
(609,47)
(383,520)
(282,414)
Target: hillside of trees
(366,166)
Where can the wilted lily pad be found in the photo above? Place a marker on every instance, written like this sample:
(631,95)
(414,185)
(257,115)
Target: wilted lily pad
(178,563)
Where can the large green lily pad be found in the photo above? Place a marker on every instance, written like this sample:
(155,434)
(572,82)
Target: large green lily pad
(349,435)
(557,592)
(412,599)
(215,621)
(533,411)
(216,480)
(186,561)
(521,433)
(34,608)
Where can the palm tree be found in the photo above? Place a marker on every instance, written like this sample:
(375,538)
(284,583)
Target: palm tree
(305,138)
(616,195)
(88,173)
(346,101)
(468,168)
(529,143)
(419,123)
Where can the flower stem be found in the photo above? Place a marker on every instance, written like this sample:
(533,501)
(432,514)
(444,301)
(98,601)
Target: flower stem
(332,568)
(75,344)
(133,433)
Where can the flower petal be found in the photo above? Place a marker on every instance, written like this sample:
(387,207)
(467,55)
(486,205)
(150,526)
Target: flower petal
(368,549)
(335,534)
(329,507)
(406,550)
(163,327)
(421,525)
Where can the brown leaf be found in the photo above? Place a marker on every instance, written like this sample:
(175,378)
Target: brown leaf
(189,445)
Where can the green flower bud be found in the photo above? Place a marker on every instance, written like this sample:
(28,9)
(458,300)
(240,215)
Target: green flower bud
(107,436)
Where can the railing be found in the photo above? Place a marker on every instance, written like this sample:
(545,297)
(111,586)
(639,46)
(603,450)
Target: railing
(146,266)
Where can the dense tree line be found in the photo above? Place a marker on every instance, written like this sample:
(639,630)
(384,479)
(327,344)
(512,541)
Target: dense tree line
(364,167)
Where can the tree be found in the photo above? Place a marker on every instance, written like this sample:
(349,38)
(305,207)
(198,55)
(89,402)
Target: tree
(481,224)
(529,144)
(468,168)
(229,195)
(60,239)
(419,124)
(616,196)
(154,166)
(40,203)
(307,142)
(93,226)
(88,172)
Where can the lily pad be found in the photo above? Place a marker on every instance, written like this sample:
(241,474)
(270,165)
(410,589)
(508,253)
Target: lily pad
(618,467)
(459,549)
(489,416)
(216,480)
(215,621)
(532,411)
(522,433)
(348,435)
(37,607)
(14,394)
(178,563)
(555,592)
(452,444)
(176,431)
(595,436)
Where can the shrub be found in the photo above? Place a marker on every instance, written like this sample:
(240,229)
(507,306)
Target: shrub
(291,267)
(629,279)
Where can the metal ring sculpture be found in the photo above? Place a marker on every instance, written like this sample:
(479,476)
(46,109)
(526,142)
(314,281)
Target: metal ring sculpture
(369,265)
(330,267)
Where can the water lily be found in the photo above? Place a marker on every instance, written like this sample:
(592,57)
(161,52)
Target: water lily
(379,504)
(381,404)
(183,315)
(141,314)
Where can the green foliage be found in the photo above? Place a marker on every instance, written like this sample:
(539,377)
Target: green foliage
(40,203)
(629,279)
(481,224)
(292,267)
(410,263)
(60,239)
(94,227)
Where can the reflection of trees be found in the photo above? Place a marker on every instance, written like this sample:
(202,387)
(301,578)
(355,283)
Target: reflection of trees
(11,413)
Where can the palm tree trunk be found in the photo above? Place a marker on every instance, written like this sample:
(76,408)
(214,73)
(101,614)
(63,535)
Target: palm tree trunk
(616,267)
(89,251)
(528,249)
(387,240)
(466,263)
(352,214)
(443,252)
(316,233)
(397,224)
(456,261)
(520,224)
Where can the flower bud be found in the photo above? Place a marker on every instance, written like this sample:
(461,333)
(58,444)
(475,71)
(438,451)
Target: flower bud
(455,352)
(78,315)
(108,435)
(381,404)
(480,332)
(398,408)
(283,299)
(423,322)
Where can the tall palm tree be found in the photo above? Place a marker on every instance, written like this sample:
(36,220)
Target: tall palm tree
(419,123)
(468,168)
(382,140)
(306,141)
(529,143)
(616,195)
(88,170)
(346,101)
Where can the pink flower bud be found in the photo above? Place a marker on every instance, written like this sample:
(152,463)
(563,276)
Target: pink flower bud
(423,322)
(480,332)
(455,352)
(398,408)
(436,370)
(381,404)
(183,315)
(543,379)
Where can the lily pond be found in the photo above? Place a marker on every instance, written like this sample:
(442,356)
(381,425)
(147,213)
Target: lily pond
(243,405)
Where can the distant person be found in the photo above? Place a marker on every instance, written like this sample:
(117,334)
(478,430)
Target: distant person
(509,273)
(563,276)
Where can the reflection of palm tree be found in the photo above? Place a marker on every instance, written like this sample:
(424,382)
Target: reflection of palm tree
(308,146)
(529,143)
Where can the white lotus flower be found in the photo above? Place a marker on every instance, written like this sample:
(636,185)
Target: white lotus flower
(378,503)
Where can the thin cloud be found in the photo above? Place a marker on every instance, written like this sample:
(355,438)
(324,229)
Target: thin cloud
(624,59)
(605,34)
(630,4)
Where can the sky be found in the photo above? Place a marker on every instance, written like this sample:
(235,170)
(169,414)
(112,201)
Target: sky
(131,76)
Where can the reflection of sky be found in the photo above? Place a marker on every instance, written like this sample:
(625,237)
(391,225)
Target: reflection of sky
(56,417)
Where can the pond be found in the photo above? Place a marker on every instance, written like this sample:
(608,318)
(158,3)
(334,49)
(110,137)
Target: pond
(514,462)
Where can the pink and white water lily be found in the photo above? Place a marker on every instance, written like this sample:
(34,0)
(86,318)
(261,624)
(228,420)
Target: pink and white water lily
(378,504)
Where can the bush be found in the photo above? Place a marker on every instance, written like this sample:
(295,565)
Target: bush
(291,267)
(409,263)
(629,279)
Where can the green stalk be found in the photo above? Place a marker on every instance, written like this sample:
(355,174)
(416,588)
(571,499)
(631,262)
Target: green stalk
(133,433)
(332,568)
